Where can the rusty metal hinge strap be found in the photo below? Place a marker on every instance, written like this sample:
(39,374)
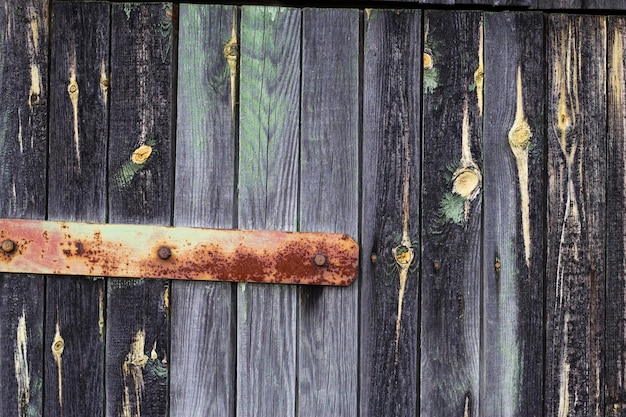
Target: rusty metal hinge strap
(141,251)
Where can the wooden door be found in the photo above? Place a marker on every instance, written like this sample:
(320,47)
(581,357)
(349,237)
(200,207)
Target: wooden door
(477,156)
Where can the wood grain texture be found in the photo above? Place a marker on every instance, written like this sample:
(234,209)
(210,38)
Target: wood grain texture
(391,166)
(139,192)
(615,359)
(77,188)
(202,345)
(575,274)
(23,147)
(451,214)
(268,199)
(514,219)
(329,202)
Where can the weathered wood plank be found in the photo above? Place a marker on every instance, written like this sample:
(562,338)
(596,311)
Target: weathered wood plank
(202,345)
(329,202)
(268,199)
(139,192)
(77,191)
(23,148)
(576,220)
(615,363)
(514,219)
(390,220)
(451,214)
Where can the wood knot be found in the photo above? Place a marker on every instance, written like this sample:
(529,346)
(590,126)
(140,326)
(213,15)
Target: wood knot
(58,345)
(141,154)
(428,61)
(466,182)
(403,254)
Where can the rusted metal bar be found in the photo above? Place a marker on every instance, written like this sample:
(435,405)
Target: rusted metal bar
(118,250)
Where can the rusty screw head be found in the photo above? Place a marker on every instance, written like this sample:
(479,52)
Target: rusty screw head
(164,252)
(437,265)
(8,246)
(320,260)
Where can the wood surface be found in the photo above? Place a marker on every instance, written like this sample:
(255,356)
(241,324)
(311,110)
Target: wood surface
(451,214)
(575,270)
(329,202)
(268,199)
(615,364)
(24,63)
(514,215)
(77,191)
(140,191)
(391,166)
(203,319)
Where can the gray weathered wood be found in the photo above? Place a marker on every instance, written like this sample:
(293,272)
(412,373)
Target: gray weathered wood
(328,326)
(391,166)
(23,146)
(514,220)
(137,328)
(77,192)
(268,199)
(576,112)
(615,363)
(203,372)
(451,214)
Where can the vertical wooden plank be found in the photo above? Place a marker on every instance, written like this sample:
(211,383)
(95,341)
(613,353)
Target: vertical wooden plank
(451,213)
(576,219)
(77,192)
(391,166)
(23,147)
(329,201)
(202,346)
(514,219)
(268,199)
(140,177)
(615,363)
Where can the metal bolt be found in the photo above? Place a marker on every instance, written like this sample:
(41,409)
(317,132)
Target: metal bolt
(8,246)
(320,260)
(164,252)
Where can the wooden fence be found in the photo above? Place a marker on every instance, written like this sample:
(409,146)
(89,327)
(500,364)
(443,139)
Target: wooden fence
(478,156)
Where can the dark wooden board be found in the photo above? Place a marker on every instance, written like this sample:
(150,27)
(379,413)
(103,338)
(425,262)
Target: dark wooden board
(268,199)
(23,147)
(615,363)
(514,215)
(77,192)
(575,267)
(140,191)
(329,202)
(451,214)
(390,198)
(202,345)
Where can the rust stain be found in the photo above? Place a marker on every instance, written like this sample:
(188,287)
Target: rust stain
(196,254)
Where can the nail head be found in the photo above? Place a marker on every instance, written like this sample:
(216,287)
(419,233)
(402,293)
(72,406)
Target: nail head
(164,252)
(8,246)
(320,260)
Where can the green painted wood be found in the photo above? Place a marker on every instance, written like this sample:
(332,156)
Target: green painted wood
(451,214)
(329,202)
(391,166)
(615,395)
(77,191)
(514,219)
(576,120)
(268,199)
(137,342)
(202,345)
(23,146)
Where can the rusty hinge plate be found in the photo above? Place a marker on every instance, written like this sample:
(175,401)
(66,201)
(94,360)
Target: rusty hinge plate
(116,250)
